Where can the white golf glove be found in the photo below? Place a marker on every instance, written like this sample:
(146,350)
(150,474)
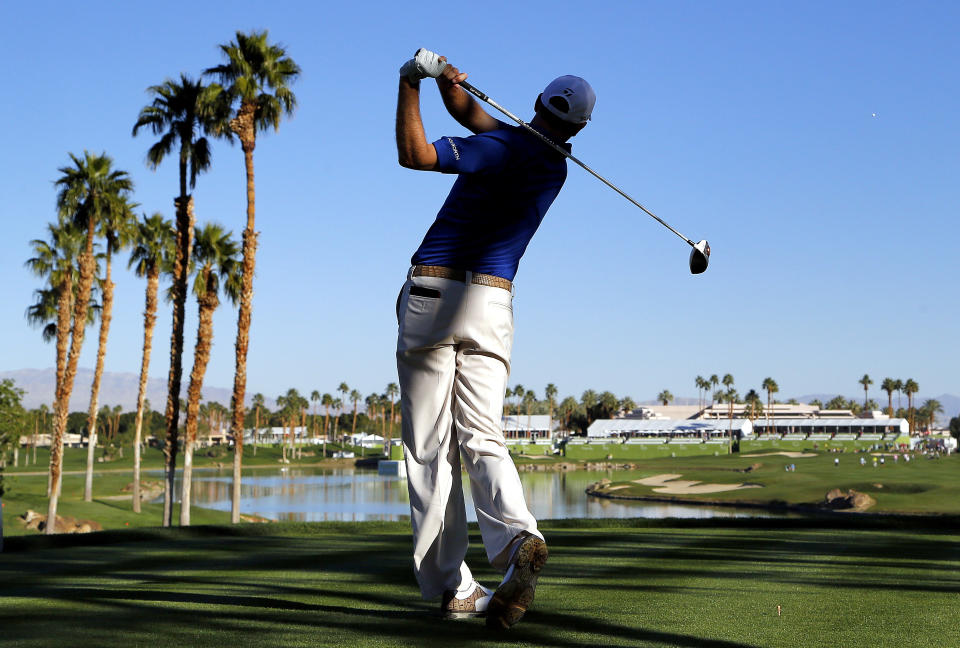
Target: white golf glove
(423,64)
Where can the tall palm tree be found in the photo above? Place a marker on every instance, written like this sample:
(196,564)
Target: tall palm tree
(771,387)
(713,381)
(315,397)
(116,227)
(528,399)
(730,395)
(257,77)
(753,400)
(327,401)
(551,392)
(88,190)
(181,113)
(355,397)
(866,381)
(56,261)
(338,407)
(698,382)
(665,397)
(218,270)
(392,392)
(258,402)
(889,385)
(152,254)
(910,387)
(898,387)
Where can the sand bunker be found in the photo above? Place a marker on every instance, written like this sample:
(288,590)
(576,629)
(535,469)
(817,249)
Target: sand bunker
(670,485)
(785,454)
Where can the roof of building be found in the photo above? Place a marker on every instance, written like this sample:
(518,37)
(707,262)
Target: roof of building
(833,422)
(606,427)
(523,422)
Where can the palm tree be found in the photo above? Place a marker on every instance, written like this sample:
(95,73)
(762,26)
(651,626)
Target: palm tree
(56,260)
(392,392)
(608,403)
(181,113)
(866,381)
(665,397)
(355,397)
(528,399)
(898,387)
(518,392)
(753,400)
(116,227)
(771,387)
(258,402)
(218,269)
(337,405)
(315,397)
(327,401)
(89,189)
(889,385)
(588,399)
(731,397)
(551,393)
(627,405)
(929,411)
(910,387)
(257,78)
(152,254)
(713,382)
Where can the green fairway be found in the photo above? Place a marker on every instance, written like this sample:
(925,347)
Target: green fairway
(923,485)
(848,582)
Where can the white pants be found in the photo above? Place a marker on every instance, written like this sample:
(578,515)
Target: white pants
(453,359)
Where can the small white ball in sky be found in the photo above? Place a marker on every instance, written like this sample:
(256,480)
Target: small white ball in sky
(873,114)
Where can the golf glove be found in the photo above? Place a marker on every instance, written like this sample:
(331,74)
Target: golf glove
(423,64)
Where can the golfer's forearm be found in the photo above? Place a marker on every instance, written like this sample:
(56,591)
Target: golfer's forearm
(464,109)
(413,149)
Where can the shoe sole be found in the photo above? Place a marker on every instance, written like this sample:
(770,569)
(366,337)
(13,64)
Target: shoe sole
(511,600)
(450,616)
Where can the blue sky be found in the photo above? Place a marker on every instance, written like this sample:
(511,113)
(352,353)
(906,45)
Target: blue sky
(813,144)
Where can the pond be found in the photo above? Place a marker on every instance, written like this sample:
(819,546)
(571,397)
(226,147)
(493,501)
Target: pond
(351,494)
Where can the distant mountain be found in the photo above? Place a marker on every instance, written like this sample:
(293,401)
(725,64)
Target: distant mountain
(115,389)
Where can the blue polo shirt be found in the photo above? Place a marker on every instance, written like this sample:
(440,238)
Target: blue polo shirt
(508,179)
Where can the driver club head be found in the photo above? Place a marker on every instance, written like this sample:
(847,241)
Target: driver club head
(699,257)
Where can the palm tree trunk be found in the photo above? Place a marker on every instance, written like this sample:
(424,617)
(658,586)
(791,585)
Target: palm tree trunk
(106,314)
(256,428)
(149,321)
(244,126)
(201,357)
(84,286)
(181,269)
(64,314)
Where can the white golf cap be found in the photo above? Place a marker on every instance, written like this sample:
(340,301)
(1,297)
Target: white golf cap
(574,93)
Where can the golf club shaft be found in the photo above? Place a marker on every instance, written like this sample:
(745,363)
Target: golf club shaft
(482,97)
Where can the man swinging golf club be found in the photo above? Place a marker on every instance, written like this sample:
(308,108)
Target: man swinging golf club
(455,318)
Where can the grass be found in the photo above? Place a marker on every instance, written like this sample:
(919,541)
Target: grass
(921,486)
(852,582)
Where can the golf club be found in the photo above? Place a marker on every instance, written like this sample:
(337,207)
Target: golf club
(699,255)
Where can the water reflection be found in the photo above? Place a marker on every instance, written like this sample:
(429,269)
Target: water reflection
(349,494)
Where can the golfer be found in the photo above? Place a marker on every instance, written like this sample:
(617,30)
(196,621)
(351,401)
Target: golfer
(455,318)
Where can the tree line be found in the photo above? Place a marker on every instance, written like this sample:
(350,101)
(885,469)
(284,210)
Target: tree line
(246,94)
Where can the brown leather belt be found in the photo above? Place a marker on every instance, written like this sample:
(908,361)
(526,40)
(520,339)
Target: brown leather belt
(461,275)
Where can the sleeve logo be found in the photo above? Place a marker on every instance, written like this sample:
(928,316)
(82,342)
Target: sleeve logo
(456,153)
